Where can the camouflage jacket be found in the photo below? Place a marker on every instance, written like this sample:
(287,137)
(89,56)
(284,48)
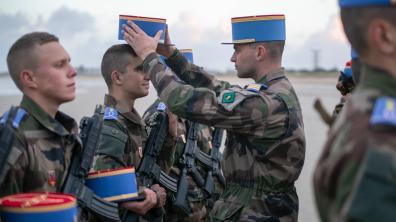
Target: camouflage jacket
(265,145)
(46,146)
(123,139)
(355,176)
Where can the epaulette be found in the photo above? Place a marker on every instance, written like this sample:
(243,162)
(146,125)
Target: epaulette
(256,87)
(110,113)
(384,112)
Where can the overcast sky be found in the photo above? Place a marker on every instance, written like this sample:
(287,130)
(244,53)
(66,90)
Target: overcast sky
(87,28)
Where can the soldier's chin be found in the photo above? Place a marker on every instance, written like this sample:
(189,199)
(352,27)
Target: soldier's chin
(69,98)
(243,75)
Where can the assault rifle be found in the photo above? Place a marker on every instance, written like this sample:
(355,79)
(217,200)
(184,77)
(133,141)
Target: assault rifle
(215,169)
(212,162)
(8,124)
(187,166)
(148,170)
(91,130)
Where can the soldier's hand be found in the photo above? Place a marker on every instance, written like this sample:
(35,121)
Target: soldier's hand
(161,194)
(142,207)
(140,41)
(172,120)
(167,48)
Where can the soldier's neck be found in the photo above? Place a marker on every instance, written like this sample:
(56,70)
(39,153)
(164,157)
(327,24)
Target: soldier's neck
(50,107)
(124,101)
(265,68)
(380,61)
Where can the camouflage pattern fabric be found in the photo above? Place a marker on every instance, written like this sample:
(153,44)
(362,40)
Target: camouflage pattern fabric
(265,144)
(46,146)
(354,178)
(196,195)
(122,139)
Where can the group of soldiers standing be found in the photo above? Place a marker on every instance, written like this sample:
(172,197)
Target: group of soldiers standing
(265,144)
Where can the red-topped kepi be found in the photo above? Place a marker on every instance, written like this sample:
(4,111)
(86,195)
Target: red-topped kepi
(43,207)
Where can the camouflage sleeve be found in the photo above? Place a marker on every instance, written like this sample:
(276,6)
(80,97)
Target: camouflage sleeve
(194,75)
(239,110)
(373,187)
(110,154)
(14,178)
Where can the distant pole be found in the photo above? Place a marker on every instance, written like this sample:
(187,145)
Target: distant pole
(316,53)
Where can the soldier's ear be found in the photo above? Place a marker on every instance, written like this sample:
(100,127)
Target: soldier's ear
(28,79)
(261,52)
(116,78)
(382,35)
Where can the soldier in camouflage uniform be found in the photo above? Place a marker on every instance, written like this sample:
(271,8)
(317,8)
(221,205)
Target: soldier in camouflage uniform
(124,132)
(345,85)
(46,139)
(354,179)
(196,195)
(265,144)
(347,81)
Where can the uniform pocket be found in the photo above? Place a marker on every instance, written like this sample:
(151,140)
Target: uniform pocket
(224,210)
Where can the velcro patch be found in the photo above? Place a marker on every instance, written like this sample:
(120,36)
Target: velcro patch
(161,106)
(232,97)
(110,113)
(384,112)
(256,87)
(228,97)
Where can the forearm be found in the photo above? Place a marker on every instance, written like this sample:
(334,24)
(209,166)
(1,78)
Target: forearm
(194,75)
(202,105)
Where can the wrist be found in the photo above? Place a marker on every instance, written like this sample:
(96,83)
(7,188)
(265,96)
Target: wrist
(173,52)
(158,202)
(144,54)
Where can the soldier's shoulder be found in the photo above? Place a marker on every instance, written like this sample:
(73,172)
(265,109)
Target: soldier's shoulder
(234,96)
(384,112)
(22,122)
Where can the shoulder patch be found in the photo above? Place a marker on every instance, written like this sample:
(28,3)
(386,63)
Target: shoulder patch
(228,97)
(384,112)
(256,87)
(17,115)
(161,106)
(232,97)
(110,114)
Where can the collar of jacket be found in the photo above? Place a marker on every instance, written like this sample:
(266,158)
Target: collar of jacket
(62,125)
(131,115)
(272,76)
(378,79)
